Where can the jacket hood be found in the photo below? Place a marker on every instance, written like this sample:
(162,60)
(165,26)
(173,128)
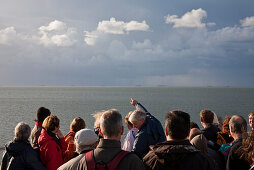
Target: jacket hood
(170,153)
(16,148)
(44,137)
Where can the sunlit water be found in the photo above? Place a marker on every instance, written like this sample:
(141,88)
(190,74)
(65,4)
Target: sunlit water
(21,103)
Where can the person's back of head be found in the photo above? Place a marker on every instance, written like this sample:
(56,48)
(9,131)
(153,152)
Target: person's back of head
(177,125)
(225,125)
(77,124)
(22,132)
(194,125)
(206,116)
(237,125)
(85,139)
(194,132)
(42,113)
(50,123)
(111,124)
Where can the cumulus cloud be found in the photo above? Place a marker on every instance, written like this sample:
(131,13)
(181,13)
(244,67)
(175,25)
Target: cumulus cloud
(57,33)
(114,27)
(190,19)
(248,22)
(7,35)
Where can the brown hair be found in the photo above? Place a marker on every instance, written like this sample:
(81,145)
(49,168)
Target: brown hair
(178,124)
(207,116)
(251,114)
(246,151)
(225,125)
(50,123)
(77,124)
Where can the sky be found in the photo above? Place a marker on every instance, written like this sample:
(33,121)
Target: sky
(127,43)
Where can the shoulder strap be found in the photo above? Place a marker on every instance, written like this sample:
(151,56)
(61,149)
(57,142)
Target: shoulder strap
(114,163)
(90,161)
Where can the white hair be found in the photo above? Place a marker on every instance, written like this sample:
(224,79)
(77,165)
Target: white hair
(137,115)
(22,132)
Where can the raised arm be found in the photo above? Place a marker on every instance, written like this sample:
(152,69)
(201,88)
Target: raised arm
(139,106)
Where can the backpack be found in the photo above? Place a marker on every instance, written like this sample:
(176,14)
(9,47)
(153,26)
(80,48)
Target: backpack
(111,165)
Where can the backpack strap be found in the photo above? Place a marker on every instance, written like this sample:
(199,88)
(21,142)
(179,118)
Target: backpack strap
(90,163)
(114,163)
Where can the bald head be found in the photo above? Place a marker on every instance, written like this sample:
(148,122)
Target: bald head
(237,124)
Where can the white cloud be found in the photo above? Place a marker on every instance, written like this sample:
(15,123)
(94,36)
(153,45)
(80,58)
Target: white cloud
(91,37)
(57,33)
(54,25)
(7,35)
(248,22)
(136,26)
(113,27)
(190,19)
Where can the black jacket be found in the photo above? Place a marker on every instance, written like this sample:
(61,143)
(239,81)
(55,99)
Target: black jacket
(176,156)
(20,156)
(234,162)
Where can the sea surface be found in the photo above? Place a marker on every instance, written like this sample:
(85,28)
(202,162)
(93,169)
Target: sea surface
(21,103)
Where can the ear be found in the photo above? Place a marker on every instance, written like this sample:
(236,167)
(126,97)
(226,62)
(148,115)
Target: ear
(201,119)
(100,132)
(122,130)
(166,131)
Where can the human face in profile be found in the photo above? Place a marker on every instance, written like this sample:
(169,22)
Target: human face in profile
(138,124)
(251,122)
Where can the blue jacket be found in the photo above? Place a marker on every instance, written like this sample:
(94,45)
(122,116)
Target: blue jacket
(150,133)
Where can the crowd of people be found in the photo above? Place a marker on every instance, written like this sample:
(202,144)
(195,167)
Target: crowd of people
(180,145)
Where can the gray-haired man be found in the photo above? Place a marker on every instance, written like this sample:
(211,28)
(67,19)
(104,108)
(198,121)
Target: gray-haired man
(109,147)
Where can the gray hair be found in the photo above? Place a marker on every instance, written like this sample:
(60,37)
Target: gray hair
(137,115)
(80,148)
(111,123)
(238,124)
(22,132)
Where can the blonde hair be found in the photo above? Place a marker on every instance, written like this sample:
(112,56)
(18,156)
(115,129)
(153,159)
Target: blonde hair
(126,119)
(50,123)
(97,117)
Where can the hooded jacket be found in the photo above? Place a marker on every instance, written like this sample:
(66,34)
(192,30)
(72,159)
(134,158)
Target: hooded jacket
(51,152)
(20,156)
(175,155)
(150,133)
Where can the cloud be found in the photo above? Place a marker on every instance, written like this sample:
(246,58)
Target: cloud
(190,19)
(57,33)
(54,25)
(114,27)
(7,35)
(248,22)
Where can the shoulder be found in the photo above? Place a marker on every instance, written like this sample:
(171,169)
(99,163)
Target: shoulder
(131,161)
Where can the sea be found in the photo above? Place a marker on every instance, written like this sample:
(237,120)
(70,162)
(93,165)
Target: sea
(20,104)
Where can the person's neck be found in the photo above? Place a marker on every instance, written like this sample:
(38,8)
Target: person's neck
(205,125)
(169,138)
(118,138)
(235,136)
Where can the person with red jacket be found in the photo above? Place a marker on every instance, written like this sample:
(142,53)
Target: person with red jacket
(52,143)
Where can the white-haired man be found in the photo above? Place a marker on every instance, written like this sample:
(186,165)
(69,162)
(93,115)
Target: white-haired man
(150,129)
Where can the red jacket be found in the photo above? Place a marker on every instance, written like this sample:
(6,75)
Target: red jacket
(50,152)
